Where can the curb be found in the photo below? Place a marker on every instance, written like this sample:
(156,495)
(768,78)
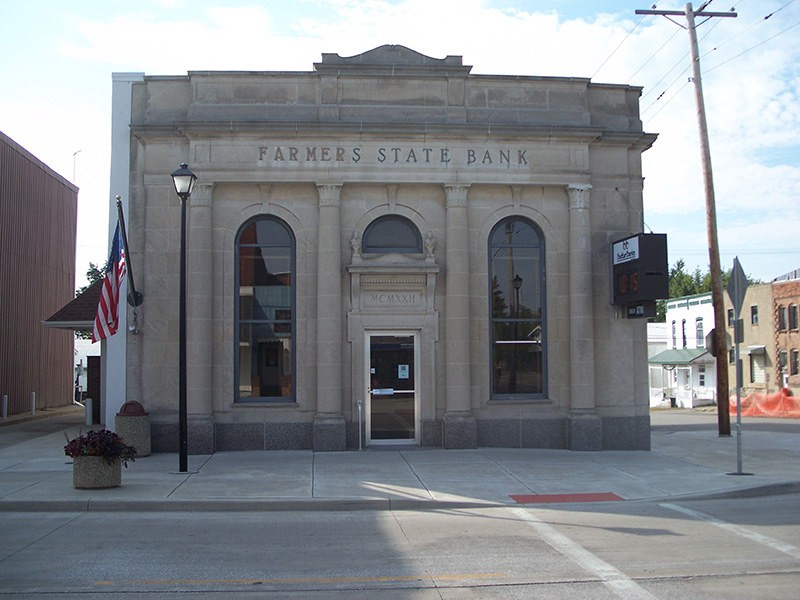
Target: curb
(758,491)
(343,504)
(238,505)
(44,413)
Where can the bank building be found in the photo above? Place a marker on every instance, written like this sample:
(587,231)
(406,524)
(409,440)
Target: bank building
(385,249)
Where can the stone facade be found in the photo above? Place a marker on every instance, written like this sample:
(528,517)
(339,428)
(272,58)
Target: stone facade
(326,154)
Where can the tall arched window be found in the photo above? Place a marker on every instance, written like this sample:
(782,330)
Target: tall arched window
(516,280)
(264,311)
(392,233)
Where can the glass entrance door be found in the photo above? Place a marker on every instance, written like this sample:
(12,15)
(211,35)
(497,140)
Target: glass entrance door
(391,388)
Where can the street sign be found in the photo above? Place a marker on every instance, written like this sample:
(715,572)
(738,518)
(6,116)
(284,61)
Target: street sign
(737,286)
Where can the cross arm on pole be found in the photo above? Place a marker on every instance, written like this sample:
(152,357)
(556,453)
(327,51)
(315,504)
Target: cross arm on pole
(680,13)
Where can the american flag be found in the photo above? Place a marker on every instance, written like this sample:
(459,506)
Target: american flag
(105,323)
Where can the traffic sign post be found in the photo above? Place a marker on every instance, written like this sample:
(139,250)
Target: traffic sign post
(737,287)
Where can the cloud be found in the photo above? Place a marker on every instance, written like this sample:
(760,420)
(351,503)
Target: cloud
(751,80)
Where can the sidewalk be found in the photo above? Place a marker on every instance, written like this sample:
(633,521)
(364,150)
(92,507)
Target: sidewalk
(688,459)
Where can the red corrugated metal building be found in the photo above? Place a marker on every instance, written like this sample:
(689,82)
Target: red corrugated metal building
(38,220)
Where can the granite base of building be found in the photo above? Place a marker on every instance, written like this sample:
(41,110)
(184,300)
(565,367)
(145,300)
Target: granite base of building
(522,433)
(459,432)
(582,433)
(329,435)
(626,433)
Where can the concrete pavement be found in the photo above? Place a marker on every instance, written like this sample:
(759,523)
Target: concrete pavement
(688,459)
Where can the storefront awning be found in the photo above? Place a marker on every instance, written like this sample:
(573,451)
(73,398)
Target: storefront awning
(679,356)
(756,349)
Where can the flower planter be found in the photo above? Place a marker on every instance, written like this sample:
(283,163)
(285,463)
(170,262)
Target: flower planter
(96,472)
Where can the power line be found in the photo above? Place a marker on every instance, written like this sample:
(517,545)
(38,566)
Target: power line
(683,58)
(669,39)
(617,48)
(754,47)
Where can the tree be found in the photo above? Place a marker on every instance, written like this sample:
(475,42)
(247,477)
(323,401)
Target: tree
(94,273)
(683,283)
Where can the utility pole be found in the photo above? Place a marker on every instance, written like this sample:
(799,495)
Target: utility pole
(720,343)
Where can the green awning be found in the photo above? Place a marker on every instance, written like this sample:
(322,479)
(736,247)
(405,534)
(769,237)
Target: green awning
(679,356)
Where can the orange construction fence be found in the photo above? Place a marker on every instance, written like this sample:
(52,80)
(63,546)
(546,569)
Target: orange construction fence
(780,404)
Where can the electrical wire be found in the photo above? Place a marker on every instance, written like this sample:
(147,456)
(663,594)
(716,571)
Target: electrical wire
(669,39)
(617,48)
(753,47)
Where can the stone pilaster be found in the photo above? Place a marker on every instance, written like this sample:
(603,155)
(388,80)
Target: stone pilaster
(199,324)
(329,424)
(460,427)
(584,427)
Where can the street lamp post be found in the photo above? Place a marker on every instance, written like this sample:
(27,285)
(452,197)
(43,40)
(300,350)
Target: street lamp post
(184,181)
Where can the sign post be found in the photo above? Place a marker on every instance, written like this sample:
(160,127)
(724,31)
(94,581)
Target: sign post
(737,286)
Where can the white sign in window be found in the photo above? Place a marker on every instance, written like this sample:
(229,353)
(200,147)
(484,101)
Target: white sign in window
(402,371)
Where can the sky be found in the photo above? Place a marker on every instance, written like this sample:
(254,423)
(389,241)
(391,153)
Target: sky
(58,57)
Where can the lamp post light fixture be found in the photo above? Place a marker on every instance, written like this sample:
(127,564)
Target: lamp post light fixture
(184,181)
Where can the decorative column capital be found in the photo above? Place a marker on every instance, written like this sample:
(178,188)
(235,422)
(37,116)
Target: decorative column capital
(578,195)
(329,194)
(202,194)
(456,195)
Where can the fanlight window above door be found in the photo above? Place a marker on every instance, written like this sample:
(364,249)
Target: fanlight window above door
(392,233)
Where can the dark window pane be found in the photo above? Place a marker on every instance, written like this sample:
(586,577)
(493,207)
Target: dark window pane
(516,283)
(265,336)
(265,266)
(392,233)
(265,232)
(516,279)
(265,362)
(515,233)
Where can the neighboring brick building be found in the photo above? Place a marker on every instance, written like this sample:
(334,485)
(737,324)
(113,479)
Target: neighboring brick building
(786,303)
(770,349)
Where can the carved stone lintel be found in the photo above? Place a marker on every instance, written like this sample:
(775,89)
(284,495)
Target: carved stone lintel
(578,196)
(329,194)
(456,195)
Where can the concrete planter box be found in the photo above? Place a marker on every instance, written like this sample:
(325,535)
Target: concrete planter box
(96,472)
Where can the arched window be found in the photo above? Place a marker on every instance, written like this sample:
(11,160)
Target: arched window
(516,296)
(392,233)
(264,311)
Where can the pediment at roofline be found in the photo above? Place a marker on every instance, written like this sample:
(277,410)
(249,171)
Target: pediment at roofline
(392,58)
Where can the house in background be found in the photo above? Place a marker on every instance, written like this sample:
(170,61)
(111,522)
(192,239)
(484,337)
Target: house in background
(687,371)
(78,315)
(656,344)
(38,221)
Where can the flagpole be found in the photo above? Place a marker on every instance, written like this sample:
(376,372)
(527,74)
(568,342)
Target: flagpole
(134,297)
